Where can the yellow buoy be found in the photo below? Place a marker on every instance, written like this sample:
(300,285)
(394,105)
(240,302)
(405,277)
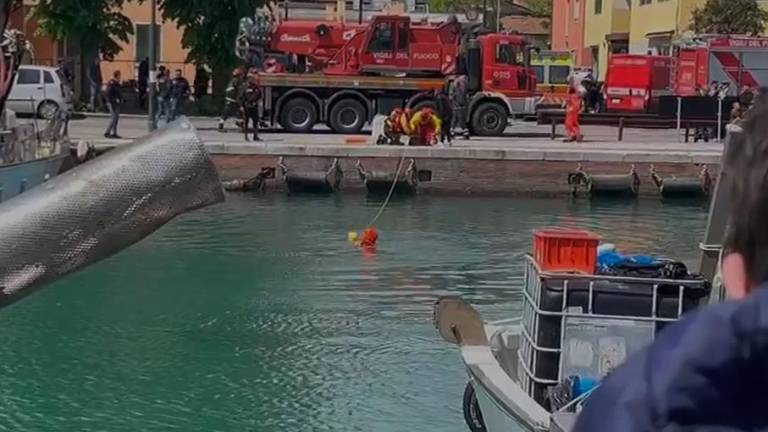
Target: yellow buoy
(352,236)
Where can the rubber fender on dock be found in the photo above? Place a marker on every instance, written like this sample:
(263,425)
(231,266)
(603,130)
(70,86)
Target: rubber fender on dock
(319,182)
(380,182)
(683,187)
(605,184)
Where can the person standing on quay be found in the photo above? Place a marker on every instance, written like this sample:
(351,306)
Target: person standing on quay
(457,93)
(143,82)
(573,107)
(201,83)
(445,112)
(96,81)
(231,103)
(179,93)
(164,94)
(250,99)
(114,100)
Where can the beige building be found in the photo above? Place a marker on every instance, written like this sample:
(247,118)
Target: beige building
(606,30)
(168,44)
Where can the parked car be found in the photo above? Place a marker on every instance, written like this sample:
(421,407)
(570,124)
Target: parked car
(41,91)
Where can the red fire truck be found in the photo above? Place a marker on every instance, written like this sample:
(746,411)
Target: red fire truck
(342,75)
(738,60)
(634,83)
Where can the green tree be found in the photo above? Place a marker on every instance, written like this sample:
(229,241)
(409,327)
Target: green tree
(540,8)
(96,25)
(210,29)
(729,17)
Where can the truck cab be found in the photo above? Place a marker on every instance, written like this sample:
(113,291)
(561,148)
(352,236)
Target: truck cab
(505,67)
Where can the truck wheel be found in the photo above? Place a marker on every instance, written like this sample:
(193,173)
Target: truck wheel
(347,116)
(489,119)
(298,115)
(472,415)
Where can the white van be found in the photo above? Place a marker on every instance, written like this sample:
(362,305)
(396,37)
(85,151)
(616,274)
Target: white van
(41,91)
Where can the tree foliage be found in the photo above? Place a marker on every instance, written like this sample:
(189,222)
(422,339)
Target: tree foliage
(729,17)
(97,25)
(447,6)
(540,8)
(210,27)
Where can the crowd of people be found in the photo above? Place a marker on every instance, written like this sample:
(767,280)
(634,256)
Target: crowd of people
(171,89)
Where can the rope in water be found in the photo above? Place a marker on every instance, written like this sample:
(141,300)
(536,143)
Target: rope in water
(389,195)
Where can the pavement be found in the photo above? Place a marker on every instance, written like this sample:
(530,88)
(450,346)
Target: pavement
(520,139)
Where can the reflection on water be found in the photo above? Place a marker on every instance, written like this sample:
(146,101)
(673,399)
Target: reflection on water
(257,315)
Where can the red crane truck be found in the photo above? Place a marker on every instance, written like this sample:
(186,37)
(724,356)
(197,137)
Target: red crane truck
(343,75)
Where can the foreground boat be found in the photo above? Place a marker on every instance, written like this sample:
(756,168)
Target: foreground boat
(27,158)
(575,328)
(28,155)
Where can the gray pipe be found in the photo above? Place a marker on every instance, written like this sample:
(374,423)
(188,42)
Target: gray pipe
(102,207)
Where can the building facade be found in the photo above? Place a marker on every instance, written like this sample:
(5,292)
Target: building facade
(654,23)
(607,31)
(568,25)
(634,27)
(170,52)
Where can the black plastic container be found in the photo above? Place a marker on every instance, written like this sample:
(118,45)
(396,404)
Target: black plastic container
(611,297)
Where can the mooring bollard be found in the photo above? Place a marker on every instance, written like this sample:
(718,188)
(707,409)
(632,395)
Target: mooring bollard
(621,128)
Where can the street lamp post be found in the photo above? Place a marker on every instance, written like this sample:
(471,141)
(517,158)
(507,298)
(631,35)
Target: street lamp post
(152,125)
(360,12)
(485,12)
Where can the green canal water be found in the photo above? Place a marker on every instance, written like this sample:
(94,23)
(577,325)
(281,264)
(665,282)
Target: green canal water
(256,315)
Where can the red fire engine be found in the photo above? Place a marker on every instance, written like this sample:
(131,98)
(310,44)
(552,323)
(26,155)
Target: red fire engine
(634,83)
(343,75)
(740,61)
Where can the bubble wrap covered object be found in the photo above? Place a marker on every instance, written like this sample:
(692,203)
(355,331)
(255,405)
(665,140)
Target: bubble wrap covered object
(102,207)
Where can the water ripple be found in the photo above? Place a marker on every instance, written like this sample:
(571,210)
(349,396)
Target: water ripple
(256,315)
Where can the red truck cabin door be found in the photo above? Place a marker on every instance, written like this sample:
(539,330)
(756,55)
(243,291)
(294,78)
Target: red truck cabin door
(503,67)
(380,47)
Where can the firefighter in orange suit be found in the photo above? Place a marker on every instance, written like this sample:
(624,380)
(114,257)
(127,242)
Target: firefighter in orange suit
(396,126)
(573,107)
(425,127)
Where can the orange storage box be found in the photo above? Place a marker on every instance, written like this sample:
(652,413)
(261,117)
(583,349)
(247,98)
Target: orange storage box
(565,250)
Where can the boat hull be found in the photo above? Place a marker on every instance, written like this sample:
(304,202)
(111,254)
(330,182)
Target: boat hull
(19,177)
(504,406)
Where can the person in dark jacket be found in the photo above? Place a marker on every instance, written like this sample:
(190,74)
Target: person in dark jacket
(114,100)
(95,82)
(143,82)
(164,94)
(445,112)
(457,93)
(250,99)
(707,371)
(178,93)
(201,82)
